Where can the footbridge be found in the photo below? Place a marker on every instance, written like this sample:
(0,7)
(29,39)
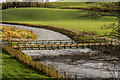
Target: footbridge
(28,44)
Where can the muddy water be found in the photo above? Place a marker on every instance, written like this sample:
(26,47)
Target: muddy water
(80,62)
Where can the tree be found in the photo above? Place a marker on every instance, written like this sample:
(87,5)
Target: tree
(114,9)
(115,32)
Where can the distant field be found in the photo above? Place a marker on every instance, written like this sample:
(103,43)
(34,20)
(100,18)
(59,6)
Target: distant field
(74,4)
(74,19)
(12,68)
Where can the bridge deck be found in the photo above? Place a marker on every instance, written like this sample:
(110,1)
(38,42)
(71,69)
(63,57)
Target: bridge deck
(55,44)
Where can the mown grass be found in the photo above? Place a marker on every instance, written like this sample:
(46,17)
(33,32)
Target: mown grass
(63,4)
(74,19)
(12,68)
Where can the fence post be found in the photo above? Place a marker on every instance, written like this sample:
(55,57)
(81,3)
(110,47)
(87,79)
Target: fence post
(89,45)
(58,46)
(48,71)
(94,44)
(83,43)
(77,46)
(100,43)
(64,46)
(65,75)
(41,67)
(75,77)
(71,45)
(111,42)
(45,46)
(56,74)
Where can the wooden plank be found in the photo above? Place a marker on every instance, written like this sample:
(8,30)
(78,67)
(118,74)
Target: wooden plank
(52,46)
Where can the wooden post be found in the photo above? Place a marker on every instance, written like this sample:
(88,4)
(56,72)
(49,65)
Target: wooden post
(111,42)
(71,45)
(60,42)
(100,43)
(58,46)
(41,67)
(64,46)
(94,44)
(83,43)
(48,71)
(65,75)
(57,74)
(77,45)
(51,46)
(75,77)
(45,46)
(89,45)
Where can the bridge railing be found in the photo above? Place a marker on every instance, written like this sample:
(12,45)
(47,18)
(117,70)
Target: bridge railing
(56,44)
(40,42)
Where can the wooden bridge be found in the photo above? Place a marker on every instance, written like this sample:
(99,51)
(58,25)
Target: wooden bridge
(55,44)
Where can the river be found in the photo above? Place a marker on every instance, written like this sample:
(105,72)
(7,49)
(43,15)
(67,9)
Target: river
(72,61)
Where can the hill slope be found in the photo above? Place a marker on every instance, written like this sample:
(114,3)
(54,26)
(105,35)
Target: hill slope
(74,4)
(75,19)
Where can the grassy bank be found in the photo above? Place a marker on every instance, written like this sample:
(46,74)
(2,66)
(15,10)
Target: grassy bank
(74,19)
(12,32)
(73,4)
(12,68)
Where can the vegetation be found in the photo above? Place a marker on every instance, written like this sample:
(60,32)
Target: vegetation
(49,71)
(13,32)
(48,4)
(114,9)
(72,19)
(12,68)
(8,5)
(74,4)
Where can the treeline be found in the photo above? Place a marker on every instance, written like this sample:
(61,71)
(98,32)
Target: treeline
(7,5)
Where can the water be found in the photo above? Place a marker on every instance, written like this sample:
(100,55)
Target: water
(66,60)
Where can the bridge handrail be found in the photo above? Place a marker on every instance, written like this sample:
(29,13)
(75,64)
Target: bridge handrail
(31,40)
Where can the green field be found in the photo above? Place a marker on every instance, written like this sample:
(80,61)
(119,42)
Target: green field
(74,4)
(74,19)
(12,68)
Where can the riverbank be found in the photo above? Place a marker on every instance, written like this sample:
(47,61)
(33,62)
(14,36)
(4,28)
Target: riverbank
(73,34)
(73,62)
(14,69)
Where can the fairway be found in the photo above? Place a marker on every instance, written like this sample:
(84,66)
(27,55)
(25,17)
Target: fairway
(74,19)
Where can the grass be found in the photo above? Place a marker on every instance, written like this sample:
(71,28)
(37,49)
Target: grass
(74,4)
(12,32)
(74,19)
(12,68)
